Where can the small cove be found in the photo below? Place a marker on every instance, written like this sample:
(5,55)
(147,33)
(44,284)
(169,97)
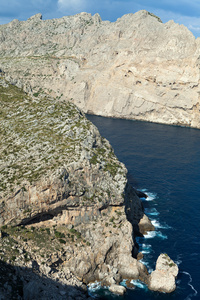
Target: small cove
(164,162)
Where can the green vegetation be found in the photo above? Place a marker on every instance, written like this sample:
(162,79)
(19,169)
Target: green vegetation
(40,136)
(37,136)
(151,14)
(39,240)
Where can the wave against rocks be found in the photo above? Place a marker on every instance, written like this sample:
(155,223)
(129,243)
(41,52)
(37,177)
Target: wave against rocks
(136,67)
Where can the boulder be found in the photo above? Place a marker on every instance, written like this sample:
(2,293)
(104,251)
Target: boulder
(117,289)
(145,225)
(163,278)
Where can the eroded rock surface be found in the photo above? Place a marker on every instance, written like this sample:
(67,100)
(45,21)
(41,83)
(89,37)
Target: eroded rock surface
(163,278)
(67,210)
(136,67)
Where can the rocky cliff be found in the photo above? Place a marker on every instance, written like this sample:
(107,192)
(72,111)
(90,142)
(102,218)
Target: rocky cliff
(136,67)
(68,216)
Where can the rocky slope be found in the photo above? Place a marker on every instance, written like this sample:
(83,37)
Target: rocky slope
(136,67)
(68,216)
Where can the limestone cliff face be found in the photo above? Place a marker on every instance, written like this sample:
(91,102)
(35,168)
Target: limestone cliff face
(64,188)
(53,159)
(136,67)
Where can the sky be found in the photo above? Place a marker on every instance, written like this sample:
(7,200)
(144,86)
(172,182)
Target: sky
(184,12)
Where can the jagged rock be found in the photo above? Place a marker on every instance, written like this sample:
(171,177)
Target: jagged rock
(145,225)
(117,289)
(129,284)
(36,17)
(140,194)
(163,278)
(140,256)
(136,67)
(108,281)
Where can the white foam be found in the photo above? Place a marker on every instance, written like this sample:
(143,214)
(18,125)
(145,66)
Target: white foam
(157,224)
(139,284)
(150,196)
(178,261)
(146,251)
(92,287)
(144,262)
(150,235)
(189,283)
(150,270)
(161,235)
(146,246)
(151,211)
(153,234)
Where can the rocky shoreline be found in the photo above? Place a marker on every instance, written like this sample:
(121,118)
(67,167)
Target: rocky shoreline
(68,214)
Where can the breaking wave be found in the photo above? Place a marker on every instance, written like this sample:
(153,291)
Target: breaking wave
(153,234)
(151,211)
(139,284)
(157,224)
(150,196)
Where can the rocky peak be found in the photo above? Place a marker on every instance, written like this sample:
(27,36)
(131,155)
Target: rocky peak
(36,17)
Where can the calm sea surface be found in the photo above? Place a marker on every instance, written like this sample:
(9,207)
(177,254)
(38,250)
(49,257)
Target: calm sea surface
(163,161)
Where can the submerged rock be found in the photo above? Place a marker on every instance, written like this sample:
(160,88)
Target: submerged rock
(163,278)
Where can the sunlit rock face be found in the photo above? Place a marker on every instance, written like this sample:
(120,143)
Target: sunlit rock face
(66,207)
(163,278)
(136,67)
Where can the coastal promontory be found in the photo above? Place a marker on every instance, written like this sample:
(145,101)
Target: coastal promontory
(68,215)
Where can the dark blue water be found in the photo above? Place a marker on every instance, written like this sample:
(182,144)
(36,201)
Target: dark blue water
(165,161)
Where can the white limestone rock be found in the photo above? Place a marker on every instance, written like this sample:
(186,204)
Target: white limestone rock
(135,68)
(163,278)
(117,289)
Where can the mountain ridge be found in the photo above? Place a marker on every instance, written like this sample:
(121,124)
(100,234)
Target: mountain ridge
(134,68)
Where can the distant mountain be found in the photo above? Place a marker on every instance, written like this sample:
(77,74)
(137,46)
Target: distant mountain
(136,67)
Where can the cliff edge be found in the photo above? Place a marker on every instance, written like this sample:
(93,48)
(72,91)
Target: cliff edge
(67,212)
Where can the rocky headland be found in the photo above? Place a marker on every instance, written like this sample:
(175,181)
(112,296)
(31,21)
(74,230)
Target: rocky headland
(136,67)
(68,214)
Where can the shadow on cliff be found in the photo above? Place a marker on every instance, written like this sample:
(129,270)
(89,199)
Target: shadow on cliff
(24,283)
(134,209)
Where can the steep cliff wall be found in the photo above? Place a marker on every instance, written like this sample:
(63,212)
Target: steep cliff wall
(66,208)
(136,67)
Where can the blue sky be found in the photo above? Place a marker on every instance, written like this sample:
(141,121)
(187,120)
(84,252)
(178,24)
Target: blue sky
(185,12)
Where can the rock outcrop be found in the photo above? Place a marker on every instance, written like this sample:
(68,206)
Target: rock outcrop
(67,211)
(136,67)
(163,278)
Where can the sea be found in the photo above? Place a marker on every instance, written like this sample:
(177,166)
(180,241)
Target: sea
(164,162)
